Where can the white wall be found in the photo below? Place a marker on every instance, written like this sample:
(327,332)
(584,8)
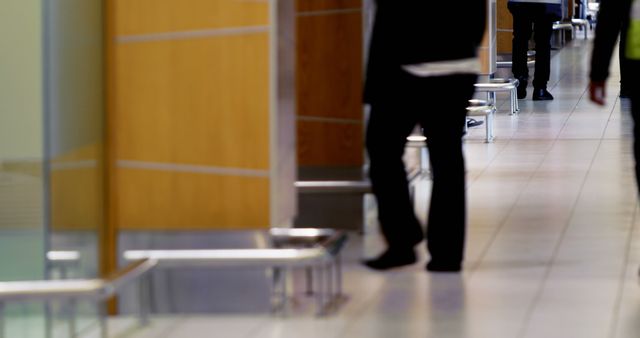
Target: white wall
(21,116)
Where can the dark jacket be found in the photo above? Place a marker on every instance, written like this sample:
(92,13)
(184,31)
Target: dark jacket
(417,31)
(613,19)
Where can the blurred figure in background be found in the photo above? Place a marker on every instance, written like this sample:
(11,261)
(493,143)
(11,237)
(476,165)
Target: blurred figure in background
(533,17)
(618,17)
(421,71)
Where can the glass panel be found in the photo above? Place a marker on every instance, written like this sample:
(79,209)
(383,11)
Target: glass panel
(74,106)
(22,195)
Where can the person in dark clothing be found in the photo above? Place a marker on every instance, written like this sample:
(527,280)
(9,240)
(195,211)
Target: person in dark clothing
(618,17)
(533,17)
(624,73)
(420,73)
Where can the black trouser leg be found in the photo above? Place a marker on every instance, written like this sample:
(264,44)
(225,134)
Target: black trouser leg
(635,113)
(387,130)
(543,28)
(520,45)
(443,127)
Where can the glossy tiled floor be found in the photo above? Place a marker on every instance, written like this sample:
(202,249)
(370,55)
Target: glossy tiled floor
(553,245)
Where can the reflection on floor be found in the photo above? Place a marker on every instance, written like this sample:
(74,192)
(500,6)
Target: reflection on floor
(553,245)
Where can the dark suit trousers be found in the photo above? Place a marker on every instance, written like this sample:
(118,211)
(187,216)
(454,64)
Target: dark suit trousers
(438,105)
(529,20)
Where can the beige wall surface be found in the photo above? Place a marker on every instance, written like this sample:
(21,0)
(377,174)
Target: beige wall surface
(21,115)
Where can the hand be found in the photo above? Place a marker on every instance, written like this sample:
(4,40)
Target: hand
(597,92)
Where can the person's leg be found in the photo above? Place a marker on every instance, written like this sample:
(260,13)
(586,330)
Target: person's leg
(443,126)
(522,28)
(624,90)
(388,127)
(543,27)
(635,113)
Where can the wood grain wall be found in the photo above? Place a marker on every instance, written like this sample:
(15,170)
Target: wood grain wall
(329,83)
(189,119)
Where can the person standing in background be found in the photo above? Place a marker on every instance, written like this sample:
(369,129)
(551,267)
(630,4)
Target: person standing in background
(421,71)
(533,17)
(618,18)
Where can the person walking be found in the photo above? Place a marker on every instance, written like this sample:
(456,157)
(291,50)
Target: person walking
(533,17)
(421,71)
(618,18)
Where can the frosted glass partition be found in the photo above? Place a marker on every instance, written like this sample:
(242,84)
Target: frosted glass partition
(74,106)
(22,179)
(51,134)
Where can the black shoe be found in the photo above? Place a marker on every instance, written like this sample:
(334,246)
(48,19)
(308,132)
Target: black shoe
(522,89)
(541,94)
(443,267)
(473,123)
(391,259)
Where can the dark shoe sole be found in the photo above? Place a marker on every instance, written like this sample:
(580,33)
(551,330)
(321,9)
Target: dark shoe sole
(384,262)
(542,98)
(438,267)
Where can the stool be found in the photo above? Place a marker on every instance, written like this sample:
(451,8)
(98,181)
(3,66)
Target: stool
(488,113)
(559,28)
(582,24)
(420,142)
(501,85)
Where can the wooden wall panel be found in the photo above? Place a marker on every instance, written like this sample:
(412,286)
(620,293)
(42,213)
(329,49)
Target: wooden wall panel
(330,144)
(504,42)
(315,5)
(329,69)
(76,199)
(197,101)
(76,188)
(329,80)
(505,28)
(153,16)
(162,200)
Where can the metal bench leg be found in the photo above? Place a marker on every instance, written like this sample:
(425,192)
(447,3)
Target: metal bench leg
(320,291)
(144,299)
(72,318)
(489,122)
(330,280)
(103,316)
(278,290)
(309,277)
(338,264)
(48,320)
(2,326)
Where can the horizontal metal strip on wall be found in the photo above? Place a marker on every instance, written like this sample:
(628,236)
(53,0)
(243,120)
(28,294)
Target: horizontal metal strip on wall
(330,12)
(74,165)
(191,168)
(192,34)
(329,120)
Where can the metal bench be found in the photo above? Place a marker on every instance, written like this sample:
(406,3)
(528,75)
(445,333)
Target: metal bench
(582,25)
(501,85)
(559,28)
(483,108)
(316,250)
(72,291)
(63,261)
(531,61)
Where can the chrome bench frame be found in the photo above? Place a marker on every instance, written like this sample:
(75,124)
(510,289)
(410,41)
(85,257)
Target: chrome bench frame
(71,291)
(500,85)
(316,250)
